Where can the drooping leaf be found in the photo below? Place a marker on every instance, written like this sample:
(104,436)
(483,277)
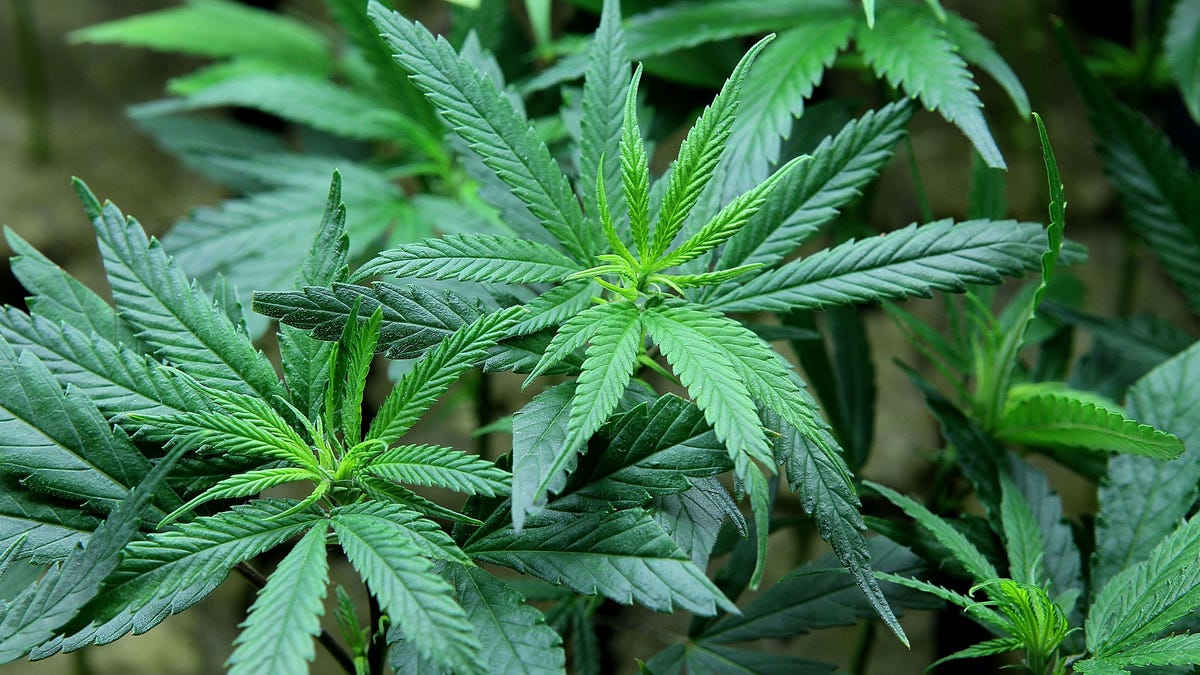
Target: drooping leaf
(1143,499)
(416,599)
(40,610)
(277,635)
(483,117)
(1160,195)
(514,635)
(219,28)
(1036,416)
(826,496)
(1143,600)
(431,465)
(912,261)
(694,517)
(1182,52)
(175,317)
(812,195)
(435,371)
(477,258)
(911,49)
(623,555)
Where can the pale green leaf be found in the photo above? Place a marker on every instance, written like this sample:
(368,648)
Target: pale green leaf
(963,550)
(431,465)
(175,317)
(635,171)
(479,258)
(556,306)
(175,569)
(417,600)
(1035,416)
(277,634)
(483,117)
(623,555)
(913,261)
(911,49)
(574,334)
(435,371)
(539,432)
(1023,538)
(219,28)
(247,484)
(1181,49)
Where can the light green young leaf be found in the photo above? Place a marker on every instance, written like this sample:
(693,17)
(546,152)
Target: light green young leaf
(711,376)
(1144,600)
(1182,52)
(484,118)
(729,220)
(635,171)
(348,375)
(406,524)
(514,635)
(1159,193)
(869,10)
(479,258)
(963,550)
(241,485)
(277,635)
(313,102)
(819,480)
(1061,560)
(604,93)
(812,195)
(431,465)
(416,599)
(574,334)
(972,607)
(1023,538)
(173,570)
(698,156)
(911,49)
(623,555)
(239,425)
(173,316)
(1035,416)
(219,28)
(435,371)
(556,306)
(1143,499)
(40,611)
(914,261)
(382,490)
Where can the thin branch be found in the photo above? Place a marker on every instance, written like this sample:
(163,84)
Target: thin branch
(335,648)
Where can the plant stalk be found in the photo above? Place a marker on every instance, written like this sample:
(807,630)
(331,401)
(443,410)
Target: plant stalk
(335,648)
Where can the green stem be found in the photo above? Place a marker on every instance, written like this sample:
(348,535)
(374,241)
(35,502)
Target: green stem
(33,77)
(330,643)
(918,184)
